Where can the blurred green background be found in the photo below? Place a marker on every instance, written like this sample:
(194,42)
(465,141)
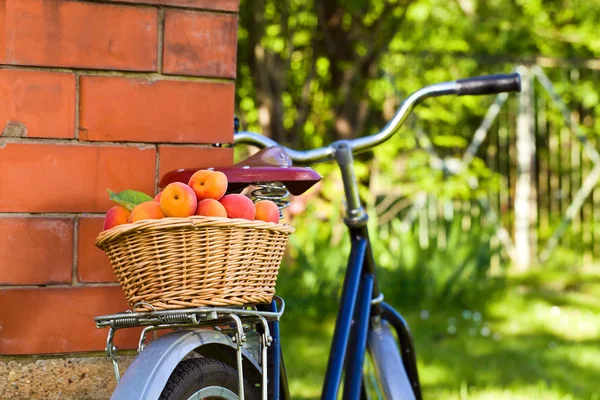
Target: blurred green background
(313,71)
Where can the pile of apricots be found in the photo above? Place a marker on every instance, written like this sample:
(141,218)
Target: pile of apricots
(203,195)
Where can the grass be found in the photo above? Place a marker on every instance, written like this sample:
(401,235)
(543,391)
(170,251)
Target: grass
(537,337)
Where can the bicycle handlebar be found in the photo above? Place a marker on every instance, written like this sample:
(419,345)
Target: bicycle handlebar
(488,84)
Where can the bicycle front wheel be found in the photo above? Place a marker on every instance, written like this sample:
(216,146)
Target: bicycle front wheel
(205,378)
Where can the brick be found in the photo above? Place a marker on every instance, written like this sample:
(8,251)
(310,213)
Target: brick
(74,34)
(71,178)
(176,157)
(121,109)
(36,251)
(223,5)
(92,263)
(59,320)
(42,104)
(200,44)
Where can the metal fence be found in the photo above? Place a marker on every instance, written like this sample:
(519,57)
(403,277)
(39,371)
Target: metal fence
(543,147)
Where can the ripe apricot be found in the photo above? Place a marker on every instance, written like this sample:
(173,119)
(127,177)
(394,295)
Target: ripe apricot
(157,197)
(208,184)
(267,211)
(146,210)
(178,200)
(117,215)
(238,206)
(211,208)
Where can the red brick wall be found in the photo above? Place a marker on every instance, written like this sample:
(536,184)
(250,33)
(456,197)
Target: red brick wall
(96,95)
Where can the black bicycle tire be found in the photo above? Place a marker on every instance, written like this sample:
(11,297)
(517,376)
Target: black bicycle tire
(194,374)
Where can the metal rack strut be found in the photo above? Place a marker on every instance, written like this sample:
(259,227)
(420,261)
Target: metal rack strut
(191,318)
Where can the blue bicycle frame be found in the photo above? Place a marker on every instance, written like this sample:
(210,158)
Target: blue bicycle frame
(363,319)
(360,306)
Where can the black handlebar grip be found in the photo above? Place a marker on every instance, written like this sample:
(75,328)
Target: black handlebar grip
(489,84)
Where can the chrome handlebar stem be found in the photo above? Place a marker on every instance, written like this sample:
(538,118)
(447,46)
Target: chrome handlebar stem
(297,156)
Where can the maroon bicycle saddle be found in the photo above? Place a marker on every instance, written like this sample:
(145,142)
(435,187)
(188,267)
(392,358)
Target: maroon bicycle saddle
(271,164)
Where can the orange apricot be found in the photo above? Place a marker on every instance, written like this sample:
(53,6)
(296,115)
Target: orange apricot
(211,208)
(146,210)
(266,211)
(208,184)
(178,200)
(117,215)
(238,206)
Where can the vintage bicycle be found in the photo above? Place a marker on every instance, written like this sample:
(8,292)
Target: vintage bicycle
(234,352)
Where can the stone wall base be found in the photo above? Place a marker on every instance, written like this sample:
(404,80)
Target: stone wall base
(58,378)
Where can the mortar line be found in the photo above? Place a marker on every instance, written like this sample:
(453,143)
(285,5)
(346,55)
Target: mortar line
(154,5)
(75,255)
(149,76)
(157,171)
(16,214)
(77,88)
(161,37)
(58,286)
(7,139)
(65,356)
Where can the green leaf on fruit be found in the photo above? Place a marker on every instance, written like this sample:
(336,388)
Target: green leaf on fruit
(128,198)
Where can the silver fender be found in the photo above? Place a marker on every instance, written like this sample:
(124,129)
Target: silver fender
(148,374)
(388,364)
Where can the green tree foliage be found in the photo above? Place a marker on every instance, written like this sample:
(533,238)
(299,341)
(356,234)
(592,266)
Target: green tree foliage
(313,71)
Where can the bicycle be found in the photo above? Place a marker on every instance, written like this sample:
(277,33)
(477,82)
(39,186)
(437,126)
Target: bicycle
(234,352)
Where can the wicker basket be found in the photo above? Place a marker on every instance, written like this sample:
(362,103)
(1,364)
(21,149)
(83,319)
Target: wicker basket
(175,263)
